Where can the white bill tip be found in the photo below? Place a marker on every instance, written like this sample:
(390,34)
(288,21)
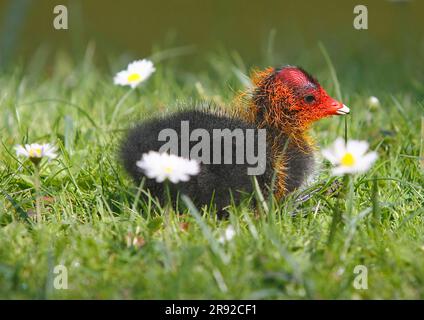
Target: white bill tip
(343,110)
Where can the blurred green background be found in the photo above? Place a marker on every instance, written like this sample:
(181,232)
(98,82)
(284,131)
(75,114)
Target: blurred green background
(387,56)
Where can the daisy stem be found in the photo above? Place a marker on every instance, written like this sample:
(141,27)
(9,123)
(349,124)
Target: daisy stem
(168,204)
(341,206)
(37,186)
(349,193)
(119,104)
(345,130)
(337,217)
(167,212)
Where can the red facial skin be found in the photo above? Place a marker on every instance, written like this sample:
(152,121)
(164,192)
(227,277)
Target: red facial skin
(309,96)
(291,100)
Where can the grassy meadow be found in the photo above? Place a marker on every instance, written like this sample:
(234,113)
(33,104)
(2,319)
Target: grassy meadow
(120,245)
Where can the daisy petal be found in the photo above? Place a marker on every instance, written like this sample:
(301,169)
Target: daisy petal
(350,158)
(164,166)
(358,148)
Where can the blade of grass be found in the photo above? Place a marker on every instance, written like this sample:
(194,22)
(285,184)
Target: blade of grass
(335,81)
(207,233)
(22,213)
(422,145)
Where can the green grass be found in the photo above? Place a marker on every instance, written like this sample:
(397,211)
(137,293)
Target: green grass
(92,207)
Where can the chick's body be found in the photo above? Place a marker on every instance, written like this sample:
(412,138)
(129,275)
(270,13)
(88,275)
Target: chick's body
(285,102)
(217,183)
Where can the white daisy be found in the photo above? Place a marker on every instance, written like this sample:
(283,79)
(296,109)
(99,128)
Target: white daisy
(35,152)
(137,72)
(164,166)
(373,102)
(229,233)
(350,157)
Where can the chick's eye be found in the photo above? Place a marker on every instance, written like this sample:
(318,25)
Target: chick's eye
(309,98)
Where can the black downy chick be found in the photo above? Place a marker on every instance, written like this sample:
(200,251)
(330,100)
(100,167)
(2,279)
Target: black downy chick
(285,101)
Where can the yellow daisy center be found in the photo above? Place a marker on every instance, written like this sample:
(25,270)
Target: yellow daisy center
(348,160)
(133,77)
(168,169)
(35,153)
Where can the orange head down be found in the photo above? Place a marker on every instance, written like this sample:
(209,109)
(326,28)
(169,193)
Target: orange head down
(290,100)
